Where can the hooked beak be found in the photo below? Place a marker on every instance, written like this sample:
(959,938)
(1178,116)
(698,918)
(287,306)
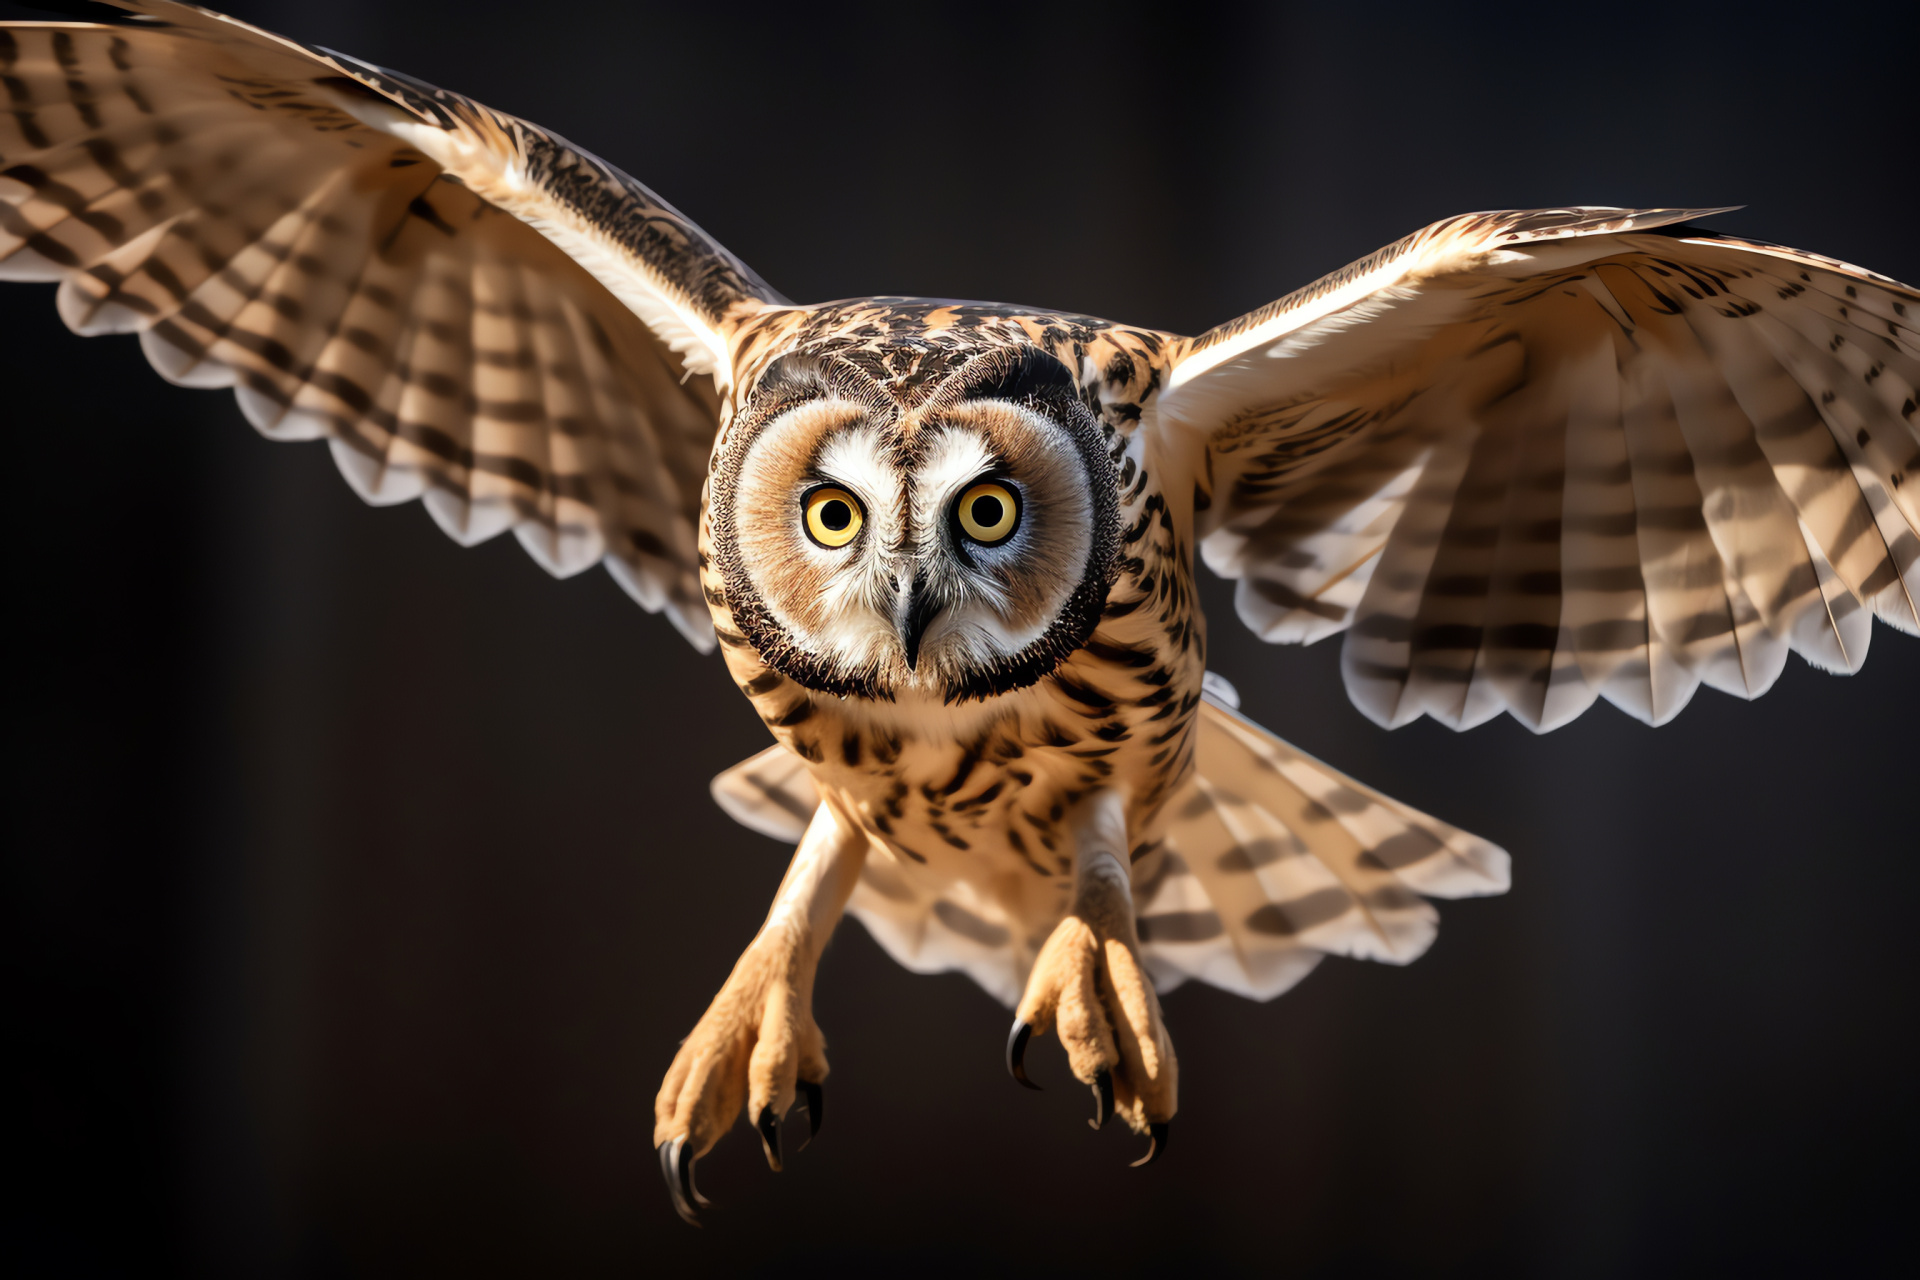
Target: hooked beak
(919,615)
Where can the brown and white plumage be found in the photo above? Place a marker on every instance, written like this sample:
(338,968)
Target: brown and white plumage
(1524,460)
(260,214)
(1530,459)
(1269,860)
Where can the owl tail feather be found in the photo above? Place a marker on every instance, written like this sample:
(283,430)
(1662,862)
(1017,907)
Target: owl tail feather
(1267,861)
(1270,859)
(771,793)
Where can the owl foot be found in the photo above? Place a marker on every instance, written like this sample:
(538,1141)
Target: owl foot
(757,1044)
(1089,985)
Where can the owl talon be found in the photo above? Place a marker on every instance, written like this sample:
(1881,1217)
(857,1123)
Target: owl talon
(1157,1135)
(757,1048)
(816,1096)
(1088,984)
(1102,1098)
(676,1166)
(769,1127)
(1017,1052)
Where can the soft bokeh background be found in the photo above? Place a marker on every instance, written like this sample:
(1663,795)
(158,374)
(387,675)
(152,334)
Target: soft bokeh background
(362,886)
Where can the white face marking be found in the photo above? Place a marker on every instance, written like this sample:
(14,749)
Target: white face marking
(849,606)
(835,601)
(857,581)
(989,615)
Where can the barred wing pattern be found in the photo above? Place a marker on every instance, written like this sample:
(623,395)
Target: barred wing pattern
(470,311)
(1528,459)
(1272,860)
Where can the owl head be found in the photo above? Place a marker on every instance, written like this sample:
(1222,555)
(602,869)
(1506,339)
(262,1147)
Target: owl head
(950,534)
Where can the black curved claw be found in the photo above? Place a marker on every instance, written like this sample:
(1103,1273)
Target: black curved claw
(1102,1098)
(1017,1052)
(676,1166)
(816,1106)
(1157,1135)
(769,1127)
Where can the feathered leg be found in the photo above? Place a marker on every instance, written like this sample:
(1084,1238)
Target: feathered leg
(758,1043)
(1088,981)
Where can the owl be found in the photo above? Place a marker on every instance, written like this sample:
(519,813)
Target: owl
(1521,461)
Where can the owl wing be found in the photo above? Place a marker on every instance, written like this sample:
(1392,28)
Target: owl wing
(469,310)
(1527,459)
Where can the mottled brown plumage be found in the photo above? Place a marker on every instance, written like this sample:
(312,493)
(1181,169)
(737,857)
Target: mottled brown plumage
(1523,460)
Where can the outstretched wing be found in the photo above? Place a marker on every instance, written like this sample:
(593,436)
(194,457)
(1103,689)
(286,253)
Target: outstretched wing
(470,311)
(1528,459)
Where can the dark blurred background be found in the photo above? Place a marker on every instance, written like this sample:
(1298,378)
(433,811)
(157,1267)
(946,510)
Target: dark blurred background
(362,887)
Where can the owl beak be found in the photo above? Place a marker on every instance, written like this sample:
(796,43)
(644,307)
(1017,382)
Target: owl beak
(921,610)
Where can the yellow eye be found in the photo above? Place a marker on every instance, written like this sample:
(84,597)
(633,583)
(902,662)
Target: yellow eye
(988,513)
(833,516)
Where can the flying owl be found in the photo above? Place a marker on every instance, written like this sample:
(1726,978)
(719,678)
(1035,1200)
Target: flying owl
(1523,460)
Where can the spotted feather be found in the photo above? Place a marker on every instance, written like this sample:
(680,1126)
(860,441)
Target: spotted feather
(1269,860)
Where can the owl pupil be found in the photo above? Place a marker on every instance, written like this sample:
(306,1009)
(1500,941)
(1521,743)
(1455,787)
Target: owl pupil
(836,515)
(986,512)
